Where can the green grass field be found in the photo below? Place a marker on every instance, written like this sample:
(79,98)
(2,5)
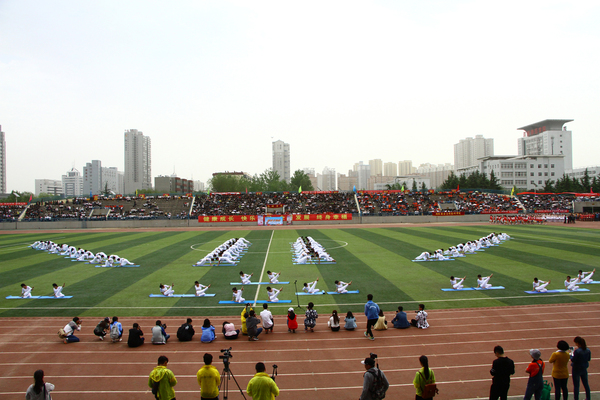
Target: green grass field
(378,261)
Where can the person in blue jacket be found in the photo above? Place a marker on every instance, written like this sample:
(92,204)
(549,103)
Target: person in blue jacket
(400,321)
(208,332)
(372,314)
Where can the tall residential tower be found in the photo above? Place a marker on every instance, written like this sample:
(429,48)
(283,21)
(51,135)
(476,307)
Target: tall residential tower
(138,161)
(467,151)
(2,162)
(281,160)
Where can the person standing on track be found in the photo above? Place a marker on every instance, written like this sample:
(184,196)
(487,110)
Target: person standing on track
(535,384)
(209,379)
(162,380)
(502,368)
(261,386)
(372,314)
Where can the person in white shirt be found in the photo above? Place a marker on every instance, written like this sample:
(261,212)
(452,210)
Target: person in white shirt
(539,285)
(273,293)
(484,282)
(585,279)
(311,287)
(341,286)
(423,256)
(237,295)
(571,284)
(456,284)
(124,261)
(58,290)
(200,289)
(167,290)
(26,291)
(273,276)
(245,278)
(267,318)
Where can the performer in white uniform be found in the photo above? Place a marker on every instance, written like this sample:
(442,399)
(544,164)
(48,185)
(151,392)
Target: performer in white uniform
(311,287)
(237,295)
(58,290)
(423,256)
(125,261)
(245,278)
(585,279)
(539,285)
(571,284)
(26,291)
(456,284)
(167,290)
(200,289)
(341,286)
(273,293)
(483,282)
(273,276)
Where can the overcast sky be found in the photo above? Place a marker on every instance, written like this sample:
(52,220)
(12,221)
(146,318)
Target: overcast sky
(214,83)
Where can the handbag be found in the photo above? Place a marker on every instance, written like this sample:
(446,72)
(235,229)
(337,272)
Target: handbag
(62,334)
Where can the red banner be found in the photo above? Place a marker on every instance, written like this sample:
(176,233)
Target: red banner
(13,204)
(447,213)
(254,218)
(500,212)
(551,211)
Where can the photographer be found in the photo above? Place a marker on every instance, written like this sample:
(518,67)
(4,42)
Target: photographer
(209,379)
(159,335)
(375,384)
(262,386)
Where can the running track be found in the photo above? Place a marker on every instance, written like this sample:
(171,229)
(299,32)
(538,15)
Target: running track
(319,365)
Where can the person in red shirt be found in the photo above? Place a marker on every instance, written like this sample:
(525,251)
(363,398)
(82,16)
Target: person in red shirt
(535,369)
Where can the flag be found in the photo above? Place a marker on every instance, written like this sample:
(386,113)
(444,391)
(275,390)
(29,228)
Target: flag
(403,188)
(208,194)
(354,189)
(512,192)
(300,189)
(457,187)
(30,198)
(136,192)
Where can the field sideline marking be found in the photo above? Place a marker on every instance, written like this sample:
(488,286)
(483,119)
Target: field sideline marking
(287,305)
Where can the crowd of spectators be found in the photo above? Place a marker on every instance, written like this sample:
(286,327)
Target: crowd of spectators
(383,203)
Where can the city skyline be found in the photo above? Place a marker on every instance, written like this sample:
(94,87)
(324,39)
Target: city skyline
(214,85)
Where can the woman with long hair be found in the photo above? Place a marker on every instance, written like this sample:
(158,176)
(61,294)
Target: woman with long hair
(39,390)
(580,361)
(334,321)
(423,377)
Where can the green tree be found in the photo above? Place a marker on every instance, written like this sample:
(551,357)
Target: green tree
(394,186)
(549,186)
(423,187)
(300,179)
(414,186)
(586,182)
(225,183)
(18,197)
(493,182)
(451,182)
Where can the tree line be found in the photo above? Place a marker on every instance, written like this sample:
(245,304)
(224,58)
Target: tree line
(268,181)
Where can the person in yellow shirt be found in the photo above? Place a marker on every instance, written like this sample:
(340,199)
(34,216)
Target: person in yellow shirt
(244,315)
(209,379)
(262,386)
(560,370)
(162,380)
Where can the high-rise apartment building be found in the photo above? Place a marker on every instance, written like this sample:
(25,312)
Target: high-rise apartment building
(390,169)
(405,168)
(376,167)
(310,172)
(92,178)
(2,162)
(467,151)
(363,175)
(547,138)
(50,186)
(113,180)
(138,161)
(326,181)
(72,184)
(281,160)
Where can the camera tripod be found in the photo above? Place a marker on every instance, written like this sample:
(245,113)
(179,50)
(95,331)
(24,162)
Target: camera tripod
(226,375)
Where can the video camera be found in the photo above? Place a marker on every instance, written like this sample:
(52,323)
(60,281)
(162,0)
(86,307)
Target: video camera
(226,355)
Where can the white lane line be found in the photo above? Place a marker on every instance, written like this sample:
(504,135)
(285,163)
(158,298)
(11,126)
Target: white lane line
(263,268)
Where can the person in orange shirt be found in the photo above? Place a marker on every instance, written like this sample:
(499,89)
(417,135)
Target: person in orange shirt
(535,384)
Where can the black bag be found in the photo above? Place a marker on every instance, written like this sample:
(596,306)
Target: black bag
(155,386)
(377,388)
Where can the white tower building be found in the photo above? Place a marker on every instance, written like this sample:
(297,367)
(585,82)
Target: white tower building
(138,161)
(548,138)
(281,160)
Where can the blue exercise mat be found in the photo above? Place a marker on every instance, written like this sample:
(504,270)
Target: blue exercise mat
(470,288)
(450,259)
(348,292)
(588,283)
(39,297)
(309,294)
(258,283)
(315,263)
(215,265)
(118,266)
(182,295)
(557,291)
(257,302)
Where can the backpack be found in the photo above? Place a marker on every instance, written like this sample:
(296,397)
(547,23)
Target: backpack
(429,390)
(546,391)
(377,388)
(114,332)
(155,386)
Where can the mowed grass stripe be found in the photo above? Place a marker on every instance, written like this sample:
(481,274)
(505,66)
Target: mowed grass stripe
(91,286)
